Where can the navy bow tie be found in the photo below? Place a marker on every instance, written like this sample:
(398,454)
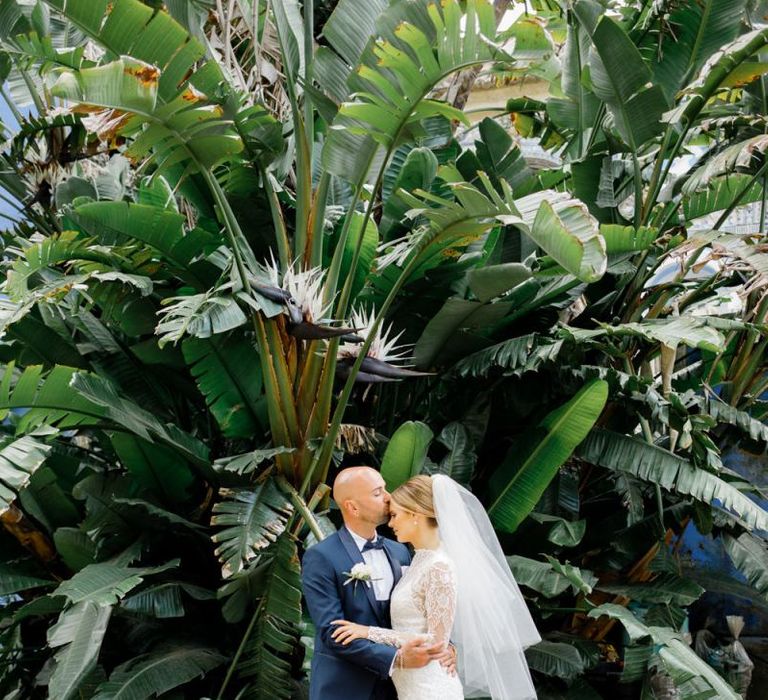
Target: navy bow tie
(378,543)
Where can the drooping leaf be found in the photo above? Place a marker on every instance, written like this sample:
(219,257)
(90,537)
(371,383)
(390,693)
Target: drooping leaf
(555,659)
(78,635)
(566,230)
(151,675)
(494,280)
(656,465)
(19,459)
(666,588)
(515,356)
(550,578)
(252,519)
(750,556)
(105,584)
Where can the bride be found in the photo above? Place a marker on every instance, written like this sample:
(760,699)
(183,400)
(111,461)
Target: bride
(458,589)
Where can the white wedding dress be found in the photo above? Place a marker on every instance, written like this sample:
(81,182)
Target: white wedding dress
(464,592)
(423,603)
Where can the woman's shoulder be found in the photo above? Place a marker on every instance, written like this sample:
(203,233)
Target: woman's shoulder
(437,561)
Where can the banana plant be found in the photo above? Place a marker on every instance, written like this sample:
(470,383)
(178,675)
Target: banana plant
(252,246)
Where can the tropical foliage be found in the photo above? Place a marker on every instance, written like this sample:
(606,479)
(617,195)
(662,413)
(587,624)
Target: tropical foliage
(255,242)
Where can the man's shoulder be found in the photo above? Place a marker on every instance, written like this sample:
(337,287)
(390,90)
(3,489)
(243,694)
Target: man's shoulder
(326,546)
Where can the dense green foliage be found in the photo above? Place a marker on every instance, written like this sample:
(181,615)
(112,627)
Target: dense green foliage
(259,241)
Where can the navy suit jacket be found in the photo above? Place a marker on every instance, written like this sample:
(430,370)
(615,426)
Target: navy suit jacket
(360,670)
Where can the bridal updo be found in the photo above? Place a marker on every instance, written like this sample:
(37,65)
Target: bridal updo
(415,495)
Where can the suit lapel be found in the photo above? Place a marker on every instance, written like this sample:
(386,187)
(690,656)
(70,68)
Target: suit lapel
(357,558)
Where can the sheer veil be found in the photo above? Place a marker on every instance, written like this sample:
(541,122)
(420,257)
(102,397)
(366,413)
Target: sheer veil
(493,625)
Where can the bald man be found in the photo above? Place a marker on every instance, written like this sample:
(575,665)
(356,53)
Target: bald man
(361,670)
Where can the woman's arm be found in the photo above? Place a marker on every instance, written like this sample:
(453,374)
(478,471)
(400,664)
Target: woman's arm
(347,632)
(440,601)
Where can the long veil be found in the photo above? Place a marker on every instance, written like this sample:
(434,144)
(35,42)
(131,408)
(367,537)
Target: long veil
(492,625)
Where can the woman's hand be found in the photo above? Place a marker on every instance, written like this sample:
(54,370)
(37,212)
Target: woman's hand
(347,632)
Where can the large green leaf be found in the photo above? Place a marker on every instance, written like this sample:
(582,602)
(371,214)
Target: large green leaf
(65,398)
(750,556)
(405,453)
(517,485)
(228,373)
(625,453)
(720,194)
(620,78)
(157,467)
(275,638)
(129,27)
(695,332)
(449,332)
(564,228)
(151,675)
(367,250)
(460,461)
(418,171)
(164,600)
(494,280)
(252,519)
(679,660)
(627,239)
(700,29)
(496,154)
(453,224)
(577,108)
(12,580)
(666,588)
(418,47)
(105,584)
(555,659)
(550,578)
(725,413)
(720,66)
(160,228)
(79,633)
(185,131)
(515,356)
(199,316)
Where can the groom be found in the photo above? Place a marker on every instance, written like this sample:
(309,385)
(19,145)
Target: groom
(360,670)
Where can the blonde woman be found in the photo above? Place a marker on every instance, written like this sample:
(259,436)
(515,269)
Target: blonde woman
(458,588)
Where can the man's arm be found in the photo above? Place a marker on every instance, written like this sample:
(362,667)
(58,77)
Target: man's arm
(324,605)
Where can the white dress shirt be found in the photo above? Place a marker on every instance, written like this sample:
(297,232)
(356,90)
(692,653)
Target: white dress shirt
(383,578)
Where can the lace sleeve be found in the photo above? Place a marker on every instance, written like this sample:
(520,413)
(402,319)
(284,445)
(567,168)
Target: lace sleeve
(381,635)
(440,600)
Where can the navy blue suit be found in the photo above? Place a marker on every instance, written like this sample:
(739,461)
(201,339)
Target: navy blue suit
(360,670)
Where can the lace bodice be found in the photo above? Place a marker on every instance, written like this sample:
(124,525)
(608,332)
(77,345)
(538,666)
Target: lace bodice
(424,601)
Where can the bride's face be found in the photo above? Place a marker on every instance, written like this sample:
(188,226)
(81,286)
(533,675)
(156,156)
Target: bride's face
(403,523)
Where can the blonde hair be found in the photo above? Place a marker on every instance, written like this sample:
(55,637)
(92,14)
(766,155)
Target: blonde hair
(415,495)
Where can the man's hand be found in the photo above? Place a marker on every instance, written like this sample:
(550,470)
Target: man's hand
(448,660)
(417,653)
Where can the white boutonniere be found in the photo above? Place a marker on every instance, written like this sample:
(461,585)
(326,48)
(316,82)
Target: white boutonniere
(360,572)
